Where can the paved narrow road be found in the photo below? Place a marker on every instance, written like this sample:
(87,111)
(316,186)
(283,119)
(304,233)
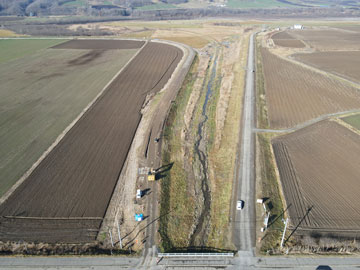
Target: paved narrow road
(243,228)
(243,263)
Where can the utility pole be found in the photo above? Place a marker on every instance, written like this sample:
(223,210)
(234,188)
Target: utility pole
(118,227)
(283,236)
(111,238)
(266,221)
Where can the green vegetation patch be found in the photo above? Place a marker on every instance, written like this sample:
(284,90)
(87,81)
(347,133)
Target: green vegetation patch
(353,120)
(157,6)
(78,3)
(16,48)
(262,115)
(211,106)
(256,4)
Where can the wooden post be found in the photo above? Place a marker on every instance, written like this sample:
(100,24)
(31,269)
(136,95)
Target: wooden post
(118,227)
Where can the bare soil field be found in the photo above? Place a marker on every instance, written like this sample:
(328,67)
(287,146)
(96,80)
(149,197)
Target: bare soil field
(328,39)
(345,63)
(290,43)
(319,170)
(77,178)
(100,44)
(354,28)
(78,230)
(282,35)
(295,94)
(41,93)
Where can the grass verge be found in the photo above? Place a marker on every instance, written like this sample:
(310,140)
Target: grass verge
(176,206)
(7,33)
(261,108)
(193,41)
(270,189)
(212,103)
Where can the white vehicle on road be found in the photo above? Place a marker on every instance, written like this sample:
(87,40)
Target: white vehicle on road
(240,205)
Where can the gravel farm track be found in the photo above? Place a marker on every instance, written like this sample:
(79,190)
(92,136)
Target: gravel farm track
(65,198)
(319,168)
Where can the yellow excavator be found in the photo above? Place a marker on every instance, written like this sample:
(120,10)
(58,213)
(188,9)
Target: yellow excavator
(151,175)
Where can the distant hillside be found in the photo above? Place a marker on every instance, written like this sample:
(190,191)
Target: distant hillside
(127,7)
(66,7)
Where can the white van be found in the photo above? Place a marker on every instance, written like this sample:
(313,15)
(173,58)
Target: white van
(138,194)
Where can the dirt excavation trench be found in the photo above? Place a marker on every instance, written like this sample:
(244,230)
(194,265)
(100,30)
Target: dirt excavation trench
(199,236)
(201,138)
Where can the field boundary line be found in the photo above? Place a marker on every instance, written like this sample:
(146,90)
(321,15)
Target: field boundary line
(278,179)
(305,124)
(67,129)
(340,121)
(327,230)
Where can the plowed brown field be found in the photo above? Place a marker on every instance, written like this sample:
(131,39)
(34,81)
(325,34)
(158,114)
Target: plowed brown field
(77,178)
(328,39)
(345,63)
(77,230)
(290,43)
(282,35)
(354,28)
(295,94)
(100,44)
(41,94)
(319,169)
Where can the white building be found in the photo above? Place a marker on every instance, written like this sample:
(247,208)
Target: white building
(298,26)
